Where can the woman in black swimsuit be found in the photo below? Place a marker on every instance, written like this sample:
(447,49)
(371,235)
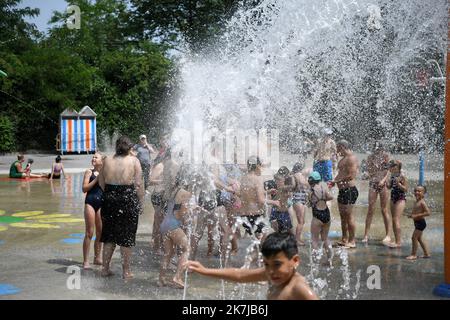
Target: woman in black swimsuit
(321,221)
(92,217)
(399,186)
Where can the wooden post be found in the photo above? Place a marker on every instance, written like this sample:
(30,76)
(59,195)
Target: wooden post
(444,289)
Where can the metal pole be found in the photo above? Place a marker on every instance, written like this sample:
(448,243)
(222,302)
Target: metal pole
(421,168)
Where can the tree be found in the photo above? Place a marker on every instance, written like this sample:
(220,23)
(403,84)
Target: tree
(15,33)
(172,21)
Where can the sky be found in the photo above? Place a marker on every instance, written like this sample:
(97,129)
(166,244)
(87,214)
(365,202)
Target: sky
(46,7)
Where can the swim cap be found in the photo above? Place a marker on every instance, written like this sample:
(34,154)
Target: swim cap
(315,176)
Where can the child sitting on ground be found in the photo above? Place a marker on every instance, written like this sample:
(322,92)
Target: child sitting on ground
(281,259)
(419,212)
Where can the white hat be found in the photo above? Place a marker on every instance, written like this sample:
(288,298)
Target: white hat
(142,136)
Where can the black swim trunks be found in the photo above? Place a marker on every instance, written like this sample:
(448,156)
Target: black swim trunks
(283,220)
(348,195)
(157,199)
(249,224)
(207,201)
(420,224)
(322,215)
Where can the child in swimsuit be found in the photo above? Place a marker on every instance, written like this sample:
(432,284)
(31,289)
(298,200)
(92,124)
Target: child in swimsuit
(173,233)
(419,212)
(57,169)
(321,221)
(92,207)
(398,186)
(281,260)
(280,217)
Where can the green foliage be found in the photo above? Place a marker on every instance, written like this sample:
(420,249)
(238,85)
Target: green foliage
(7,142)
(117,63)
(195,21)
(100,65)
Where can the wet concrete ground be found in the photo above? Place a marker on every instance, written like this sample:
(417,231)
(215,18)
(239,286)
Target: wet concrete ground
(34,261)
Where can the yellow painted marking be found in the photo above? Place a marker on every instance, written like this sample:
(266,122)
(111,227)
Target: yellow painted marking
(27,213)
(3,228)
(34,225)
(49,216)
(60,220)
(2,212)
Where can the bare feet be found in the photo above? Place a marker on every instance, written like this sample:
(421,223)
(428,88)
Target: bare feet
(86,266)
(177,283)
(233,252)
(386,241)
(394,245)
(98,262)
(350,245)
(127,276)
(161,282)
(365,239)
(300,243)
(340,243)
(411,257)
(107,273)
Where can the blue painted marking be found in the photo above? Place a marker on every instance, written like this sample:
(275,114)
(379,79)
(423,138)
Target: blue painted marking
(7,289)
(72,241)
(334,234)
(77,235)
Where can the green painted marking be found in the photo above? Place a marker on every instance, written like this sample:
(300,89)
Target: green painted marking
(7,219)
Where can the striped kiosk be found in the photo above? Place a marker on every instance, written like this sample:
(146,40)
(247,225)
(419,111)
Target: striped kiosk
(78,131)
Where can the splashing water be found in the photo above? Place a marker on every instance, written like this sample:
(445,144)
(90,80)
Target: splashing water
(300,65)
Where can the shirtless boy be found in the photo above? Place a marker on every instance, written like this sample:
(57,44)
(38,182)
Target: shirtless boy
(281,259)
(348,193)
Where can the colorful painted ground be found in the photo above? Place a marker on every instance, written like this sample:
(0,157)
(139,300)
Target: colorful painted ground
(35,220)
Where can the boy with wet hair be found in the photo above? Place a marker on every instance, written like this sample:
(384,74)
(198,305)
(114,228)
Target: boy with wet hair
(419,212)
(281,259)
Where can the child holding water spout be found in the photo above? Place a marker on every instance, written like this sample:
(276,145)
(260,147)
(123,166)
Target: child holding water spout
(281,259)
(419,212)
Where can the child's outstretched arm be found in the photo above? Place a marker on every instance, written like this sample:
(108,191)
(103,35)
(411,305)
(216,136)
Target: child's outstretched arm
(230,274)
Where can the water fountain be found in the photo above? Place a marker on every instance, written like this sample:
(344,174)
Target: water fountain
(301,65)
